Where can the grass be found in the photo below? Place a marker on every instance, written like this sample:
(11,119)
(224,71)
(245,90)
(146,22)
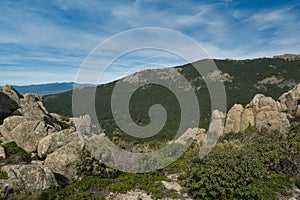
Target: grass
(95,187)
(3,175)
(16,154)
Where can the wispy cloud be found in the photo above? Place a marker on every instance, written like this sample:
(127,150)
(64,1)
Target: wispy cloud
(52,38)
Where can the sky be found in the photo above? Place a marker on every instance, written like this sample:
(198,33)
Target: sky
(47,41)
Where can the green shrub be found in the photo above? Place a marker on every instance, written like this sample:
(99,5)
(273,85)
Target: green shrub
(3,175)
(89,166)
(11,149)
(247,166)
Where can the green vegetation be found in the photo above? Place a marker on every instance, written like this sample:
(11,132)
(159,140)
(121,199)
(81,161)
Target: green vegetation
(89,166)
(3,175)
(94,187)
(255,165)
(240,90)
(15,154)
(246,165)
(62,124)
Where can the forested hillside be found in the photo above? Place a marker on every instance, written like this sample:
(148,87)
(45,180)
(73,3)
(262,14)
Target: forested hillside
(242,79)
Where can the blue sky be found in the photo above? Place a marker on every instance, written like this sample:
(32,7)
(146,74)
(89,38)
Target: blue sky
(46,41)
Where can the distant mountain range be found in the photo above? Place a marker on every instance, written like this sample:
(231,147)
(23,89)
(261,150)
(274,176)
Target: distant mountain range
(49,88)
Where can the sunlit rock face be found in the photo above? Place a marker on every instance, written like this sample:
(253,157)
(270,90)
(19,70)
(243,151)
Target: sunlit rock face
(261,112)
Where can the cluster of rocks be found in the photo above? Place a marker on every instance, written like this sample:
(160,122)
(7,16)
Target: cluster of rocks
(261,112)
(264,111)
(55,149)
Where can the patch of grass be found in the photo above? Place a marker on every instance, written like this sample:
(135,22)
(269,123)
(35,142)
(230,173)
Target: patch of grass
(3,175)
(12,150)
(96,187)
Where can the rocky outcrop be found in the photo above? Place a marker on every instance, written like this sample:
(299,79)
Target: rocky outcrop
(288,57)
(28,123)
(218,75)
(11,93)
(261,112)
(290,101)
(9,101)
(35,178)
(279,81)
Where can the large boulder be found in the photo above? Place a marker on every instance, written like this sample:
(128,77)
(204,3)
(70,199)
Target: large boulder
(247,118)
(262,103)
(26,134)
(35,178)
(290,101)
(55,140)
(63,161)
(11,93)
(9,124)
(273,119)
(9,101)
(32,107)
(233,119)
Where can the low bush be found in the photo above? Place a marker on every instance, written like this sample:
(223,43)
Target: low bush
(253,165)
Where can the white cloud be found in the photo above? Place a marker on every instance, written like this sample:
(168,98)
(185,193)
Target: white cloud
(33,37)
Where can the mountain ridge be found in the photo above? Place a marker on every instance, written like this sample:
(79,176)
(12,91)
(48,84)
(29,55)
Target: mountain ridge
(242,80)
